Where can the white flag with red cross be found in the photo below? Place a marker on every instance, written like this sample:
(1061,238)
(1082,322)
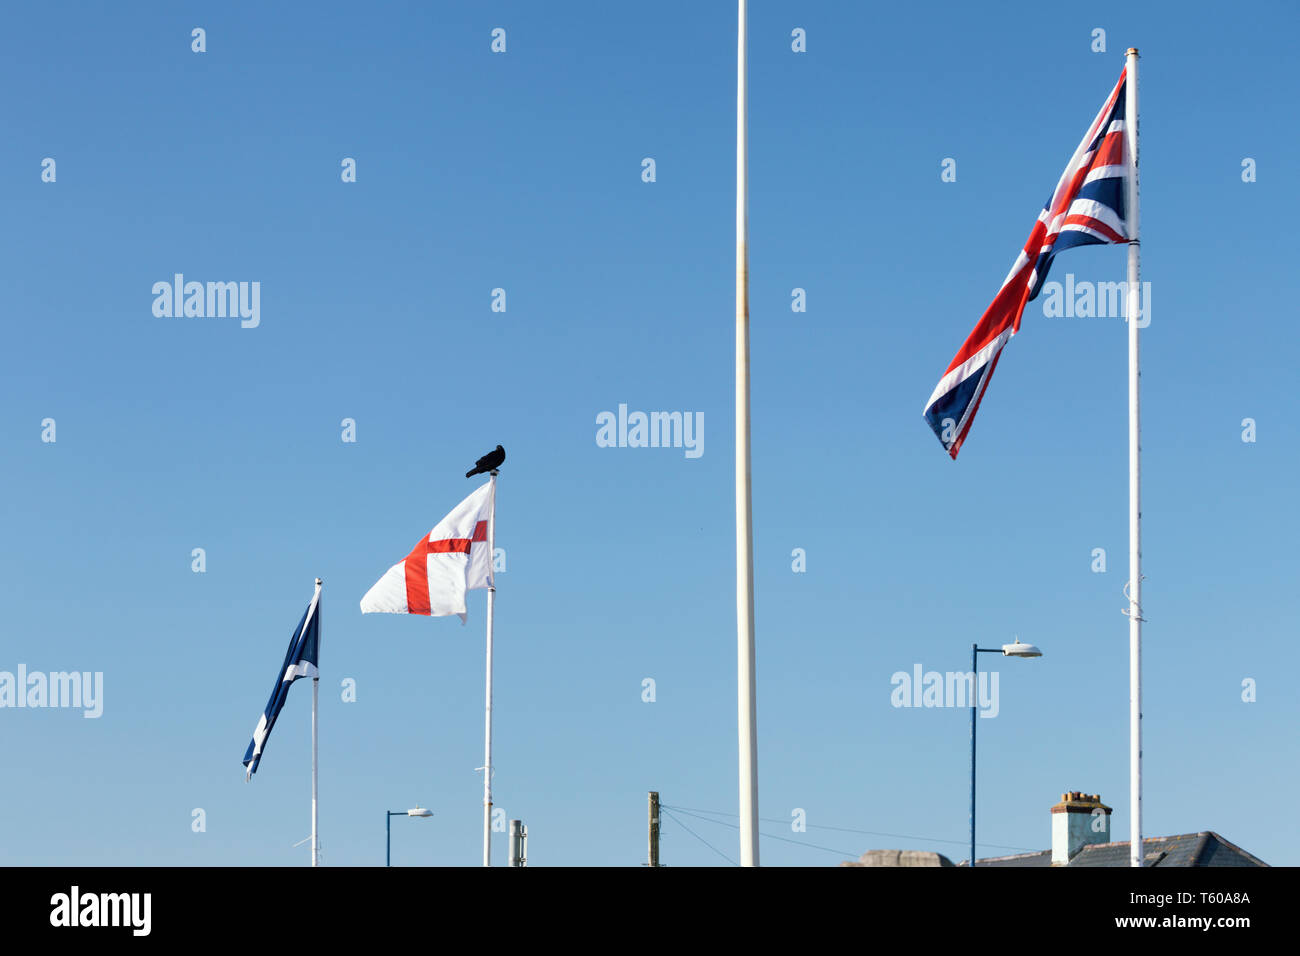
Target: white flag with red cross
(453,558)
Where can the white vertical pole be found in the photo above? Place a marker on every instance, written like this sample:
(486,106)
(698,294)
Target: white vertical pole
(747,709)
(315,707)
(315,843)
(487,719)
(1135,318)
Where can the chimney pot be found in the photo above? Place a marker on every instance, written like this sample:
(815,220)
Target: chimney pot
(1072,826)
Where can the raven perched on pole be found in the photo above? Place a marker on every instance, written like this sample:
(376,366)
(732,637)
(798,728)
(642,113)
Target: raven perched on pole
(489,462)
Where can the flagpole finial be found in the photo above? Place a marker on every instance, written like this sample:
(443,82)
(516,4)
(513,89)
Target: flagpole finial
(1132,51)
(318,582)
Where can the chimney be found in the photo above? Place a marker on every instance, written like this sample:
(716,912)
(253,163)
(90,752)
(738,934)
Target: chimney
(1079,820)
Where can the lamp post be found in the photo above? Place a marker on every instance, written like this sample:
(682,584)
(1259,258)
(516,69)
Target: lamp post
(388,827)
(1007,650)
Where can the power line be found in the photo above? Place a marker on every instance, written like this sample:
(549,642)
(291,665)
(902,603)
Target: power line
(897,836)
(770,836)
(663,809)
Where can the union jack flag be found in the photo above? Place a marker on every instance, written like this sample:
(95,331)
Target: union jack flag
(1087,207)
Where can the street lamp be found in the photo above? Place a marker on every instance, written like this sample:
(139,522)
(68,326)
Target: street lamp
(1016,649)
(388,827)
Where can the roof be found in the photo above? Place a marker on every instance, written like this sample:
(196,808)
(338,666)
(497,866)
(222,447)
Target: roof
(1206,848)
(900,858)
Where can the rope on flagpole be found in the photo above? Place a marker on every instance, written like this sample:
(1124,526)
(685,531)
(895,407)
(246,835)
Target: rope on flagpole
(1134,604)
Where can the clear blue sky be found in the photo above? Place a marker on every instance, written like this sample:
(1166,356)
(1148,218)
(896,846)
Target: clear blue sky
(523,171)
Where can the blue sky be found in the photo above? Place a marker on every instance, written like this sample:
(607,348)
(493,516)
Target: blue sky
(522,171)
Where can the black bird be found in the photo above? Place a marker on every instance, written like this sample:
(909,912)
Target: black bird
(489,462)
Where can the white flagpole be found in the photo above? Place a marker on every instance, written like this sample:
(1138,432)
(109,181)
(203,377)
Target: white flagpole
(315,704)
(1135,318)
(487,732)
(747,709)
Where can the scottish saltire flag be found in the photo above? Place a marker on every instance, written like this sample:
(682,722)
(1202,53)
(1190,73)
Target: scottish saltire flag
(450,560)
(1087,207)
(299,661)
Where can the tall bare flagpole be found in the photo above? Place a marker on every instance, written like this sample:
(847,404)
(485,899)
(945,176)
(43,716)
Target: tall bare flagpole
(487,720)
(1136,317)
(315,706)
(747,711)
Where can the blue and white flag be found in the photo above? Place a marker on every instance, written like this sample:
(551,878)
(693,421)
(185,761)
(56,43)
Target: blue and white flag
(300,661)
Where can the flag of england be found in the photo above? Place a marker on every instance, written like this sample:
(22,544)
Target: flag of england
(453,558)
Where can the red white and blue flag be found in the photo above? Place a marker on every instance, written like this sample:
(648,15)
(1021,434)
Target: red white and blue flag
(1087,207)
